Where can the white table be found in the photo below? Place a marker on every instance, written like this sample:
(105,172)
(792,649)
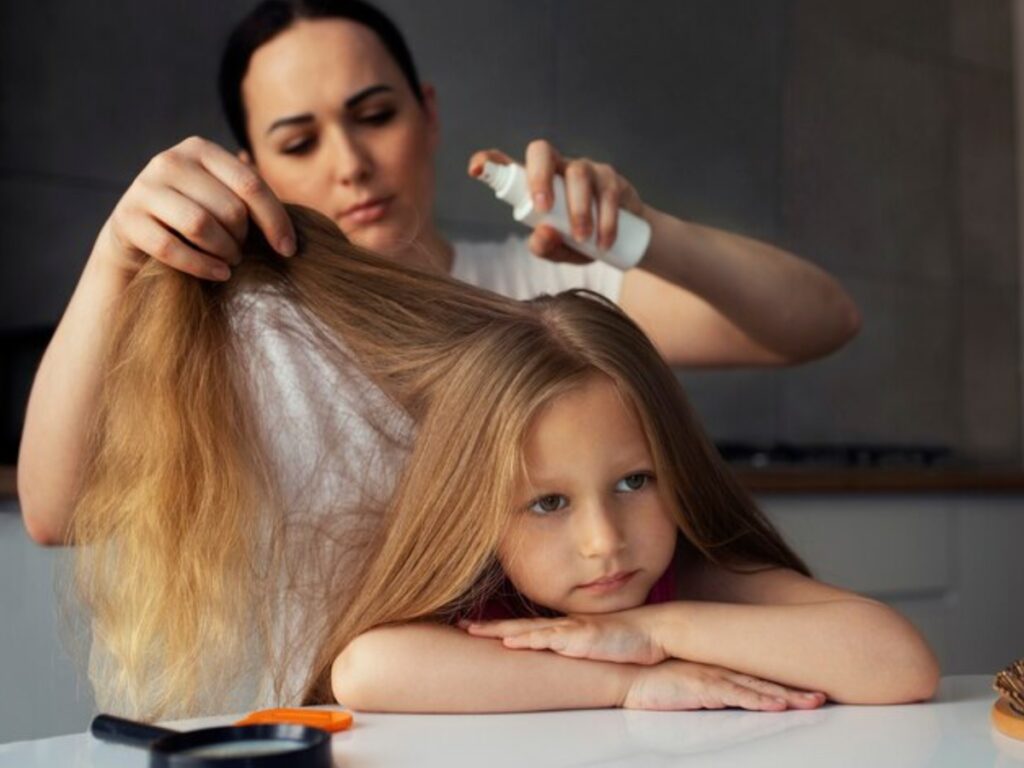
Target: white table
(953,730)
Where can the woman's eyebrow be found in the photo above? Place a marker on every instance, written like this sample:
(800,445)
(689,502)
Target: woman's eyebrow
(350,103)
(306,117)
(353,101)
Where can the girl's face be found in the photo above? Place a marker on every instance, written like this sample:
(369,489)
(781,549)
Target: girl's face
(591,533)
(335,126)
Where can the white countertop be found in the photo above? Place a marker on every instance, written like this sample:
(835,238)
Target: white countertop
(954,730)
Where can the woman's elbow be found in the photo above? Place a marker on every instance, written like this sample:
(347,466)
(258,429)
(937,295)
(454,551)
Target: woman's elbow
(38,528)
(845,326)
(45,512)
(852,320)
(838,325)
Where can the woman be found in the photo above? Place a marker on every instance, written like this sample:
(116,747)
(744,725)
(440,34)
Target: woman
(329,112)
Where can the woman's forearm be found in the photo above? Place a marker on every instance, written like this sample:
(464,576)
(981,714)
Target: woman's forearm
(785,304)
(62,400)
(857,651)
(433,668)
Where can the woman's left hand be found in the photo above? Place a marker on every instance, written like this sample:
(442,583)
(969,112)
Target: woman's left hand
(589,187)
(622,637)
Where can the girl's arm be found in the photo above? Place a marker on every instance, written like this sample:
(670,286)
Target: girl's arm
(432,668)
(856,651)
(775,624)
(704,296)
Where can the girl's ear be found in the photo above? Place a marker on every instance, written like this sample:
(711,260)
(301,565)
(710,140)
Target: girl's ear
(245,157)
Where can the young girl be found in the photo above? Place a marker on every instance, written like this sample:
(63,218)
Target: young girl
(558,454)
(535,461)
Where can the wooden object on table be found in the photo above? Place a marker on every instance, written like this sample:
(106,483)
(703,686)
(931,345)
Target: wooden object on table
(8,482)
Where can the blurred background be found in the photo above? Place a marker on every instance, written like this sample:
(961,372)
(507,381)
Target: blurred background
(875,138)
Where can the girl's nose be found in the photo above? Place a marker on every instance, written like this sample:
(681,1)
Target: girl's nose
(598,534)
(352,163)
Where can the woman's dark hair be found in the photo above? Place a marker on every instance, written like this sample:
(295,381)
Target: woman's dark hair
(270,18)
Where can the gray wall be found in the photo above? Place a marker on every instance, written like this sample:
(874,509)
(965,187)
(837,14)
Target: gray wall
(874,138)
(898,176)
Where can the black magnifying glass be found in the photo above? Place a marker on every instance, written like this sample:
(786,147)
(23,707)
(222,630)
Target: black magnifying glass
(232,746)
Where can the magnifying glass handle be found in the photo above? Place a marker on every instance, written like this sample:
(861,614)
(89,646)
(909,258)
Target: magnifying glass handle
(121,731)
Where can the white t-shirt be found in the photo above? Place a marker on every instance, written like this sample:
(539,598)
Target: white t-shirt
(509,268)
(335,443)
(336,440)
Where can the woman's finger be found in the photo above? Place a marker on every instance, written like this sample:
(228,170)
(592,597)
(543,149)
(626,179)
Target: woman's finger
(264,207)
(213,195)
(543,161)
(477,160)
(152,238)
(608,202)
(195,224)
(547,243)
(579,198)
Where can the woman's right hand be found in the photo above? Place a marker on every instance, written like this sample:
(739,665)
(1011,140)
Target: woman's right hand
(677,685)
(190,209)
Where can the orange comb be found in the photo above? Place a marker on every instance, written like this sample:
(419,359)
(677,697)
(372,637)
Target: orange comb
(325,719)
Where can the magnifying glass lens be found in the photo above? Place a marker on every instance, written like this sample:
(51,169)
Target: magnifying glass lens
(244,748)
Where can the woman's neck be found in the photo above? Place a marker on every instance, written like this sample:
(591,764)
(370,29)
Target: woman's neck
(430,251)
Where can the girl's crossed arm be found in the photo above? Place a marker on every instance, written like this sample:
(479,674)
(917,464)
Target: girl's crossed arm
(775,624)
(422,667)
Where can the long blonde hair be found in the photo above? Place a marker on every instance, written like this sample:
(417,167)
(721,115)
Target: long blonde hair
(174,565)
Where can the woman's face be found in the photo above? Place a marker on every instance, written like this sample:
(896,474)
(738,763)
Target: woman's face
(592,533)
(335,126)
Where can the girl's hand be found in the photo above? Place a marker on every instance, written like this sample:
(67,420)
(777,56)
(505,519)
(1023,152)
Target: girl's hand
(675,685)
(189,208)
(587,184)
(623,637)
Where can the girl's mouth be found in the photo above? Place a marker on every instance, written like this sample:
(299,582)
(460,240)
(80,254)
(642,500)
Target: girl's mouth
(609,583)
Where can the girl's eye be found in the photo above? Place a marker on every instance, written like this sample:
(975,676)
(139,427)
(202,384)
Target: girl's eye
(632,482)
(545,505)
(297,147)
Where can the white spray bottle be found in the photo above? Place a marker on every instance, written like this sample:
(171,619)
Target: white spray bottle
(509,184)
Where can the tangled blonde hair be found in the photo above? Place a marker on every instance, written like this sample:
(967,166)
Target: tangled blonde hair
(181,515)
